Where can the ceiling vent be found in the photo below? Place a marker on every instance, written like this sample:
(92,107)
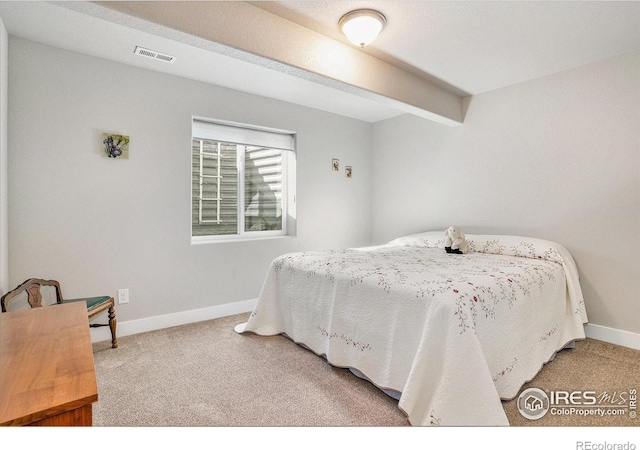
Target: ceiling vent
(154,55)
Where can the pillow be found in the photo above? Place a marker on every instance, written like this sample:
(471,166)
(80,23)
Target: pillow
(525,247)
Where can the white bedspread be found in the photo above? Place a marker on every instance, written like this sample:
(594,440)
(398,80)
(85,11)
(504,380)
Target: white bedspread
(454,334)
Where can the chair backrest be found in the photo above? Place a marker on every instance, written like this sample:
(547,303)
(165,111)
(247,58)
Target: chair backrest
(28,295)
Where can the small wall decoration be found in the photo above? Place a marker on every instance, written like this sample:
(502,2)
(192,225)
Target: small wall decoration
(115,145)
(347,171)
(335,164)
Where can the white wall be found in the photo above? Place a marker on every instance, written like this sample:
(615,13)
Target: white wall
(556,158)
(4,229)
(97,224)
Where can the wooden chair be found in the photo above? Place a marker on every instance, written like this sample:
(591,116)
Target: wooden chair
(95,305)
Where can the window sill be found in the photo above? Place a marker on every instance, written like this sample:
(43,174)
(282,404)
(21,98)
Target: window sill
(201,240)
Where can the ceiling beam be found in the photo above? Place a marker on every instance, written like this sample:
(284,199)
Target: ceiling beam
(248,33)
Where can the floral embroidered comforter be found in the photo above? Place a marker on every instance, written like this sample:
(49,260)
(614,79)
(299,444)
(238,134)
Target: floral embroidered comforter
(454,334)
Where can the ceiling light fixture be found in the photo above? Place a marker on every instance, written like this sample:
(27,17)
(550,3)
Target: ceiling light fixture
(362,26)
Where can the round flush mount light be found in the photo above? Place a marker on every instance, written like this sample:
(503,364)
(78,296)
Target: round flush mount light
(362,26)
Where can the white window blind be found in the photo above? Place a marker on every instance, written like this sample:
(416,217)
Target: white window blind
(224,132)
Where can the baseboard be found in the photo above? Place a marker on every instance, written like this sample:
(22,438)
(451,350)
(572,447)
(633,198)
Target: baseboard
(172,320)
(613,336)
(599,332)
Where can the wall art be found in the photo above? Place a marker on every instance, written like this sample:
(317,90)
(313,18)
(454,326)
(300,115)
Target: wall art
(115,146)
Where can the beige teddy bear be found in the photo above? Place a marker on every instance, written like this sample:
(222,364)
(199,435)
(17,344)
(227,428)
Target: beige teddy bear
(455,241)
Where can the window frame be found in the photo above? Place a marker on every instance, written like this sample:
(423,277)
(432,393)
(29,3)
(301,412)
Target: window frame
(288,186)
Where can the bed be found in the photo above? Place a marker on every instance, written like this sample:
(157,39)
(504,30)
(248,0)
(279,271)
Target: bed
(452,335)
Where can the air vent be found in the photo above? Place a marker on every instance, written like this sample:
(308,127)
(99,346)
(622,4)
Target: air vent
(154,55)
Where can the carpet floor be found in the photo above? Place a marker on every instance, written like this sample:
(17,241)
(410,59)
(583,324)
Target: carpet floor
(206,375)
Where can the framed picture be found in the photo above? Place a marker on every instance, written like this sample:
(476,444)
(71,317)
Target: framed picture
(115,146)
(335,165)
(348,171)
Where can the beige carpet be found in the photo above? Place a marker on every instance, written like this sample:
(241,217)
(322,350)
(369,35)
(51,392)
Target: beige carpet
(206,375)
(606,369)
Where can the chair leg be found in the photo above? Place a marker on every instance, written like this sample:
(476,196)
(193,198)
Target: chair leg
(112,326)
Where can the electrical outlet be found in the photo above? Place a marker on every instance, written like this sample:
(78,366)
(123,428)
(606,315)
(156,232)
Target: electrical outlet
(123,296)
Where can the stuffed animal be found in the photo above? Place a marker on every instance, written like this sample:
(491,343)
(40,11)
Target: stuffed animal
(454,241)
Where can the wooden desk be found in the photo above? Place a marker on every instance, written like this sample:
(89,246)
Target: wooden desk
(47,375)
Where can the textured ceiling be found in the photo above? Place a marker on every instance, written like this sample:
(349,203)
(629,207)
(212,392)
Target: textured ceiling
(463,47)
(479,46)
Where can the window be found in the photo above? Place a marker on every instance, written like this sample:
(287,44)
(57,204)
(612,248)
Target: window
(242,181)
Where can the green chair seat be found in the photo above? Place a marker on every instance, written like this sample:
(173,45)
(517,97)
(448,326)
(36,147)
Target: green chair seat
(92,302)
